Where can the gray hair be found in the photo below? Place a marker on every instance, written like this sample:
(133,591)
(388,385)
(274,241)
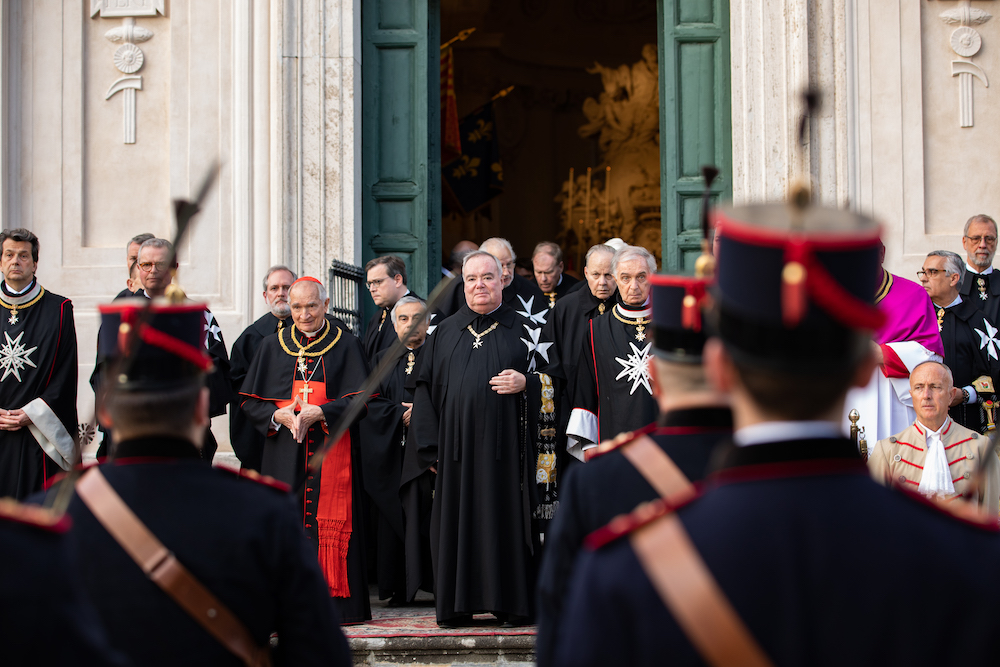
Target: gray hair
(409,298)
(278,267)
(156,243)
(495,240)
(482,253)
(633,252)
(139,239)
(979,217)
(549,248)
(953,263)
(599,249)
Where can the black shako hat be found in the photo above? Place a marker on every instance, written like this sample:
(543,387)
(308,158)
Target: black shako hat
(796,285)
(677,303)
(159,350)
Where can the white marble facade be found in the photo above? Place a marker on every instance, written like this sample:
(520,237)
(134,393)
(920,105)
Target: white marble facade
(272,90)
(267,89)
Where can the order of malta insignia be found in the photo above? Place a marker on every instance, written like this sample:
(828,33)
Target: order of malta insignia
(14,358)
(635,368)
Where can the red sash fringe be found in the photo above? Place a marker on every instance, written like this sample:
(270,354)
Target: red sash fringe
(334,516)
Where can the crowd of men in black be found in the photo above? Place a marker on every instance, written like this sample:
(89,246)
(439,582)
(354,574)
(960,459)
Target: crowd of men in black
(652,467)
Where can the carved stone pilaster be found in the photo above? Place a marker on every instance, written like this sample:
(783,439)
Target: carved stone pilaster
(966,42)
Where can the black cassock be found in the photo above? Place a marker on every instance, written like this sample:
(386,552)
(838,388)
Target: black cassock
(983,291)
(385,438)
(613,393)
(481,533)
(566,328)
(566,286)
(379,334)
(38,360)
(248,442)
(335,359)
(963,330)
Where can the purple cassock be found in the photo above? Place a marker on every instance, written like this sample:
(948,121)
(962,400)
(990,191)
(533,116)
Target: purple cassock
(908,338)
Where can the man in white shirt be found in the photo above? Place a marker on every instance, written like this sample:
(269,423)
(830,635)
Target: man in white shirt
(981,284)
(936,456)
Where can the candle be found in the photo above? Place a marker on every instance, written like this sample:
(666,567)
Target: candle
(569,206)
(607,193)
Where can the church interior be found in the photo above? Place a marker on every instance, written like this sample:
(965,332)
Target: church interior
(581,93)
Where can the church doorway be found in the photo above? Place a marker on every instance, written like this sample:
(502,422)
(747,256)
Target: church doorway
(541,87)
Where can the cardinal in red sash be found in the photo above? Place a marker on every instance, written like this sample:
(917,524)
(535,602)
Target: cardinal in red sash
(299,383)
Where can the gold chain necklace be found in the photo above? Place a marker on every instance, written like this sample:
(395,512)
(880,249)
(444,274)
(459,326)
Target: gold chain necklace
(479,336)
(639,323)
(303,350)
(14,307)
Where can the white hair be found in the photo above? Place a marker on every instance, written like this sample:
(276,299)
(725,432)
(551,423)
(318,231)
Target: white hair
(482,253)
(633,252)
(319,288)
(599,249)
(409,298)
(496,240)
(953,263)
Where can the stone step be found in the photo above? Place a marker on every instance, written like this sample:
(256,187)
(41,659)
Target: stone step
(511,650)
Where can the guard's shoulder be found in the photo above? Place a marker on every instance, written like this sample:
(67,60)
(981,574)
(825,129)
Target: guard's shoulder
(618,442)
(607,446)
(33,515)
(624,524)
(254,476)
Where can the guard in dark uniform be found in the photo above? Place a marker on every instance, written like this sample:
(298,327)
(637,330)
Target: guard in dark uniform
(45,618)
(636,467)
(792,555)
(238,536)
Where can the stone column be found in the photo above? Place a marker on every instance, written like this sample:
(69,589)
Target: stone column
(778,51)
(316,134)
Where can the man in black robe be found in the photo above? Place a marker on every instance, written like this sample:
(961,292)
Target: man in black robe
(981,284)
(156,276)
(386,281)
(248,442)
(299,384)
(470,418)
(971,348)
(133,286)
(560,342)
(38,358)
(694,417)
(613,393)
(388,439)
(547,264)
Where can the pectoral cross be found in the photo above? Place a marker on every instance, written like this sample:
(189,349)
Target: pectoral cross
(305,391)
(982,288)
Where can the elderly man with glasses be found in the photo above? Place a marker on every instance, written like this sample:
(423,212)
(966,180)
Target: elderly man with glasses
(971,349)
(981,284)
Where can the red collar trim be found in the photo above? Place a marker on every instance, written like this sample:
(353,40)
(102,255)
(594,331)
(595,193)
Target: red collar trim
(765,471)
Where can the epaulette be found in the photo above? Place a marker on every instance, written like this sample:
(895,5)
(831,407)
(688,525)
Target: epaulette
(617,442)
(254,476)
(623,524)
(33,515)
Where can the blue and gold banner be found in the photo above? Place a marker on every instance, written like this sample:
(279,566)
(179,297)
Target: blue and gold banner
(476,176)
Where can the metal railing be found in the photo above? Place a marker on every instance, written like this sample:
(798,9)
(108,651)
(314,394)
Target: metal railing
(345,287)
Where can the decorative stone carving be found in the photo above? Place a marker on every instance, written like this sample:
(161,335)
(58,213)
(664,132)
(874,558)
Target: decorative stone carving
(966,42)
(123,8)
(128,57)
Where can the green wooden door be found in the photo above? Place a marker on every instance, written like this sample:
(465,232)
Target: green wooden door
(394,104)
(695,120)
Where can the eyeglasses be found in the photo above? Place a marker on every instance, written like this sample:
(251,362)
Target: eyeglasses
(931,273)
(148,266)
(990,240)
(375,283)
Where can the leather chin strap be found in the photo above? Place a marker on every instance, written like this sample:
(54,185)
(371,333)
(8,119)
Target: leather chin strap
(163,569)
